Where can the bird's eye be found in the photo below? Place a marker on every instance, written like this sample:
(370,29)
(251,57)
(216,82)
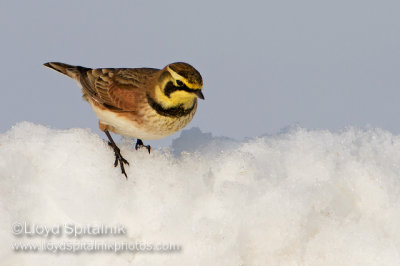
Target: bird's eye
(179,83)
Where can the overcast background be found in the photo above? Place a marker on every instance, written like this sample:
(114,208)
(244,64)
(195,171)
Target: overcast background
(266,65)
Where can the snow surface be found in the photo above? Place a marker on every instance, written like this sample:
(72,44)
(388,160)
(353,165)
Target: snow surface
(297,198)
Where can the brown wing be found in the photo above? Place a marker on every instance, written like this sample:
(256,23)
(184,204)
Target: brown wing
(119,88)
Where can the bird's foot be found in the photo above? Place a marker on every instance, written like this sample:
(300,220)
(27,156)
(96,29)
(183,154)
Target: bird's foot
(139,144)
(119,159)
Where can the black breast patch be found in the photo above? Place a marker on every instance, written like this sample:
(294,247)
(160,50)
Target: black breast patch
(177,111)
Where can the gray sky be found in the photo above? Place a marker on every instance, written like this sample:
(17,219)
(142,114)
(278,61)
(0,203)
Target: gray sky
(265,64)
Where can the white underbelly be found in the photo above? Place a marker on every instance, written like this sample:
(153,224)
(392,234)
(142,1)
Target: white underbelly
(124,126)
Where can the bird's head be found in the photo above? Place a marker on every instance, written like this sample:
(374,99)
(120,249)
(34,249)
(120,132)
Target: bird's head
(179,84)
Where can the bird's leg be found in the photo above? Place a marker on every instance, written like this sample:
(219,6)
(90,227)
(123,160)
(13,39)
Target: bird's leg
(118,156)
(139,144)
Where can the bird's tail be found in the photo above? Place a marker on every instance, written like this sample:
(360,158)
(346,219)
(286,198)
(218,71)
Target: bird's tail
(69,70)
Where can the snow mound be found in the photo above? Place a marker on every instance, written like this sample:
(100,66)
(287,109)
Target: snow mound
(297,198)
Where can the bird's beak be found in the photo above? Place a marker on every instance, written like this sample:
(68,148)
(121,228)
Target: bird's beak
(199,94)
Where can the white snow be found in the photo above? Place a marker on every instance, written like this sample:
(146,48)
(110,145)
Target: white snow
(297,198)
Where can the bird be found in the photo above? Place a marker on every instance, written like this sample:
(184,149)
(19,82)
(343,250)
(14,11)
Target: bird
(144,103)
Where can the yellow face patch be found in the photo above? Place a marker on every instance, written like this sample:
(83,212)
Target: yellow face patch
(176,98)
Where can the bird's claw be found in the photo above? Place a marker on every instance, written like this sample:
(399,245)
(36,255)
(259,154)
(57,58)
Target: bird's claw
(119,159)
(139,144)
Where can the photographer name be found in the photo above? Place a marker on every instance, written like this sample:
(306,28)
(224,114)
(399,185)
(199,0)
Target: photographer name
(68,229)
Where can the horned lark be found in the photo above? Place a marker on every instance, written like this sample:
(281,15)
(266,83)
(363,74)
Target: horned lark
(145,103)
